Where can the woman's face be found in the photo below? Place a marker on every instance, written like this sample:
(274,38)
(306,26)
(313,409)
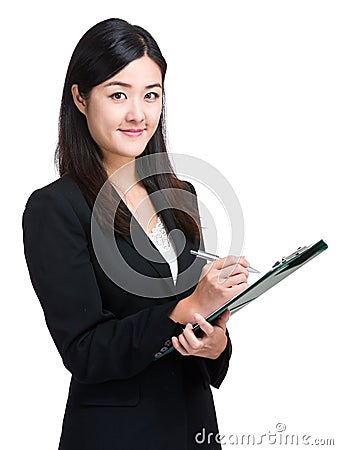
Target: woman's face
(123,112)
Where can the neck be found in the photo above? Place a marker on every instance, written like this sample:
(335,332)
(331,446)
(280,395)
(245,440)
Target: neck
(122,173)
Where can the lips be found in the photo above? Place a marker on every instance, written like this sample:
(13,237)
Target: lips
(132,132)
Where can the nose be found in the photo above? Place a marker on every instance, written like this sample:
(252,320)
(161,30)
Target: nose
(135,112)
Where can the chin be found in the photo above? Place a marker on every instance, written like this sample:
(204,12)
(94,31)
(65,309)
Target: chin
(134,152)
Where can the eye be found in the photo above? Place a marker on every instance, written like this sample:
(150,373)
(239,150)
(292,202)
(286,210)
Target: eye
(118,96)
(152,96)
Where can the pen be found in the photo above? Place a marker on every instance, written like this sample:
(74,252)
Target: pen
(213,257)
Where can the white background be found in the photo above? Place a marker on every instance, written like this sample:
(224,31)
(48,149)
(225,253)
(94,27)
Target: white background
(251,89)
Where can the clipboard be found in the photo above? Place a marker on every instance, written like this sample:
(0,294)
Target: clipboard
(280,270)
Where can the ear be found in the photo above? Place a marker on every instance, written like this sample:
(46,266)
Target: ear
(78,100)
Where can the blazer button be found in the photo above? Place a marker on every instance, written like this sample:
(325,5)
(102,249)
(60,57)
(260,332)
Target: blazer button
(157,355)
(168,343)
(163,349)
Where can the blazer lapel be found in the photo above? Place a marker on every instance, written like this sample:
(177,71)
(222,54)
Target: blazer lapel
(141,243)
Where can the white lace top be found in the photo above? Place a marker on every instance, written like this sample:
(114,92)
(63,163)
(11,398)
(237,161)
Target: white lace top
(161,240)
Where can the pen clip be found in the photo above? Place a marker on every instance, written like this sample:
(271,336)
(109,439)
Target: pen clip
(287,258)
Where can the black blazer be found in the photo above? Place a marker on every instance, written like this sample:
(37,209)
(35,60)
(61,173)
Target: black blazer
(119,397)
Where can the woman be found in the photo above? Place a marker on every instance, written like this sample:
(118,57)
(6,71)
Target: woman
(109,334)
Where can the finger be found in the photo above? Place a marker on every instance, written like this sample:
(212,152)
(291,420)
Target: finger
(237,289)
(183,338)
(178,346)
(204,324)
(236,269)
(192,342)
(233,280)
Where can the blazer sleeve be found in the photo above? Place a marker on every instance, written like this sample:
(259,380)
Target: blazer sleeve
(216,369)
(94,345)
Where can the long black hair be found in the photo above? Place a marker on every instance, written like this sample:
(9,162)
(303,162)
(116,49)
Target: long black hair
(102,52)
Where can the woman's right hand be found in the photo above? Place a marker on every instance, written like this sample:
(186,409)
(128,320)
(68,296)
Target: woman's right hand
(219,282)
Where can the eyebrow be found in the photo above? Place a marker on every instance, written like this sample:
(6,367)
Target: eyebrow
(126,85)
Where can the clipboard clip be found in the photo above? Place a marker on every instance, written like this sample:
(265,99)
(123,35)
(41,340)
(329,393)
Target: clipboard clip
(287,258)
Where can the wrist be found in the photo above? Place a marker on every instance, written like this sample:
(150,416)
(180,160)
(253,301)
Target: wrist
(184,310)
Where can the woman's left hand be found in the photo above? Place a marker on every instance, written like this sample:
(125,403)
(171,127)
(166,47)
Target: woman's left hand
(210,345)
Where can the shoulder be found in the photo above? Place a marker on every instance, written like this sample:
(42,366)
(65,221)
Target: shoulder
(62,194)
(64,186)
(189,187)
